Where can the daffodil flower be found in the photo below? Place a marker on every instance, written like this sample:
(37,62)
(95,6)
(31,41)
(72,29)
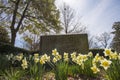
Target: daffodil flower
(105,63)
(107,52)
(95,69)
(24,63)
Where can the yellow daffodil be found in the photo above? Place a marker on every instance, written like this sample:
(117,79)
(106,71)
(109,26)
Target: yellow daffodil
(24,63)
(73,55)
(54,60)
(36,55)
(42,61)
(107,52)
(36,60)
(105,63)
(45,57)
(19,57)
(55,52)
(58,57)
(84,57)
(90,54)
(95,69)
(113,55)
(79,62)
(48,58)
(74,60)
(94,61)
(97,58)
(66,57)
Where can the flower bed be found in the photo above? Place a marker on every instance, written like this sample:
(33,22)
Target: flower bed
(62,67)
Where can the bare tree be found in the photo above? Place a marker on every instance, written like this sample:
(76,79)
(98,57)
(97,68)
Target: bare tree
(104,39)
(92,42)
(70,20)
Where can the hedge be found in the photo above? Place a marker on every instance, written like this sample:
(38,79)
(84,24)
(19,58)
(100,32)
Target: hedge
(7,48)
(100,51)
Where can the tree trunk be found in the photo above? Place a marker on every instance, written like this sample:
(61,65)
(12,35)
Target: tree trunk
(13,29)
(13,37)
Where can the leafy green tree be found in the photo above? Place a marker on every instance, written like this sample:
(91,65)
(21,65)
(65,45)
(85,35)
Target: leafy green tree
(4,35)
(116,39)
(29,15)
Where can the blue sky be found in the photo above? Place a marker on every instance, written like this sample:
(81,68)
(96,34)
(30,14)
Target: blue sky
(97,15)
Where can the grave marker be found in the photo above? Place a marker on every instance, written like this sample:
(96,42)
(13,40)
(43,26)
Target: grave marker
(64,43)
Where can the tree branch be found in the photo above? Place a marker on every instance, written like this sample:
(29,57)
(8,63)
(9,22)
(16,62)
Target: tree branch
(22,16)
(14,15)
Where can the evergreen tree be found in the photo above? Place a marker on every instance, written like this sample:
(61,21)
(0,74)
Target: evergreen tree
(116,40)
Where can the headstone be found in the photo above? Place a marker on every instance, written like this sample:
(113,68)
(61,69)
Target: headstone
(64,43)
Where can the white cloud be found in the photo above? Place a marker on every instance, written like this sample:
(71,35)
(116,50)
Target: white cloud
(93,18)
(75,4)
(96,13)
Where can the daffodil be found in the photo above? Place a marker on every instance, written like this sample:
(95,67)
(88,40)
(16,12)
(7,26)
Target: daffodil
(58,57)
(74,60)
(79,62)
(84,57)
(36,55)
(54,60)
(73,55)
(105,63)
(42,61)
(19,58)
(45,57)
(65,54)
(90,54)
(94,61)
(107,52)
(55,52)
(24,63)
(48,58)
(95,69)
(66,57)
(97,58)
(113,55)
(36,60)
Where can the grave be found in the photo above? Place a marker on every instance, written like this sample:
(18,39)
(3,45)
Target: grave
(64,43)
